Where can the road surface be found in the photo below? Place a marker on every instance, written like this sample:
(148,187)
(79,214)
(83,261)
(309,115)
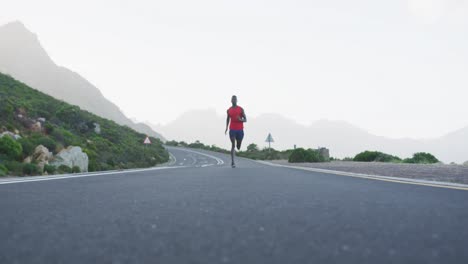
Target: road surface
(199,210)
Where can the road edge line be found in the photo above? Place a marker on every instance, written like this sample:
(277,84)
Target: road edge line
(71,176)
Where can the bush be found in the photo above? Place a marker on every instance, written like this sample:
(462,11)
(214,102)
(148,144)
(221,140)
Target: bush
(76,169)
(252,148)
(10,148)
(27,145)
(47,142)
(172,143)
(302,155)
(298,155)
(50,169)
(14,167)
(422,158)
(197,144)
(3,170)
(375,156)
(64,169)
(30,169)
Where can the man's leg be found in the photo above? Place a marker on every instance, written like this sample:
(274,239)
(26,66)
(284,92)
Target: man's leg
(239,143)
(239,138)
(233,149)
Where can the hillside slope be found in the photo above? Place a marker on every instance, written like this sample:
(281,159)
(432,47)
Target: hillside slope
(40,119)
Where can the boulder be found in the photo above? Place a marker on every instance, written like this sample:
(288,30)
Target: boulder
(11,134)
(28,159)
(36,127)
(41,156)
(97,128)
(71,156)
(465,163)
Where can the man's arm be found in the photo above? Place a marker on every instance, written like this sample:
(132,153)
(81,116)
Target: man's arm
(227,122)
(243,116)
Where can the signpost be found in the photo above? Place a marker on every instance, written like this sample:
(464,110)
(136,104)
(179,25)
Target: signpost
(147,142)
(270,140)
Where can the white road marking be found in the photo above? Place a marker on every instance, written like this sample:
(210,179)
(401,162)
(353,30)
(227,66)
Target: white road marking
(218,160)
(71,176)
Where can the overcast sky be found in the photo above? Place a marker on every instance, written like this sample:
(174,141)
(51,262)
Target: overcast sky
(396,68)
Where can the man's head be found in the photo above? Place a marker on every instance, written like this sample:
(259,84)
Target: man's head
(234,100)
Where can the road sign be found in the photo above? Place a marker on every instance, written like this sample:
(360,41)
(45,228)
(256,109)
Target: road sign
(147,141)
(269,139)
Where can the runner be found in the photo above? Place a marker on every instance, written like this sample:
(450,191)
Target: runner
(236,117)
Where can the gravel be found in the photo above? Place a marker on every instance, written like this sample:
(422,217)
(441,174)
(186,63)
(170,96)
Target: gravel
(430,172)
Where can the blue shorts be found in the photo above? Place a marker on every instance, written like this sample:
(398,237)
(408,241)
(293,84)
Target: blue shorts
(237,134)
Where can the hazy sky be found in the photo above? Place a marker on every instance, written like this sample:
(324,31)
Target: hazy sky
(396,68)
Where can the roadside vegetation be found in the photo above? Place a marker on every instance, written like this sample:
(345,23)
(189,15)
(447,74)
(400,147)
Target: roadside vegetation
(29,118)
(255,153)
(376,156)
(299,155)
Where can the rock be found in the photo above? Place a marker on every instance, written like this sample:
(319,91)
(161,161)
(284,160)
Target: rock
(97,128)
(71,156)
(41,119)
(11,134)
(41,156)
(465,163)
(36,127)
(27,159)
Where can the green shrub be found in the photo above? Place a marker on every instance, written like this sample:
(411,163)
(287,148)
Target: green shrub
(50,169)
(197,144)
(10,147)
(298,155)
(172,143)
(64,169)
(30,169)
(14,167)
(27,145)
(3,170)
(76,169)
(375,156)
(303,155)
(49,128)
(47,142)
(252,148)
(422,158)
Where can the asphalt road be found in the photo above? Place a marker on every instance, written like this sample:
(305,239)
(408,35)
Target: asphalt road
(202,211)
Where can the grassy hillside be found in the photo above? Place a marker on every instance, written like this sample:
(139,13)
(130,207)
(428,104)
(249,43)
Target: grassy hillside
(107,144)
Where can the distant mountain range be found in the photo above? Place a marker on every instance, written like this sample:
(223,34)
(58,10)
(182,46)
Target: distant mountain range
(342,138)
(23,57)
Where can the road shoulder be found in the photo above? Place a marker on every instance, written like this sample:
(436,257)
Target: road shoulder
(403,180)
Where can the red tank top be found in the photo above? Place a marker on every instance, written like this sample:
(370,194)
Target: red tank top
(235,113)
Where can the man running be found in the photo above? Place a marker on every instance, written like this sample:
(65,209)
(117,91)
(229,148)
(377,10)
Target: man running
(236,116)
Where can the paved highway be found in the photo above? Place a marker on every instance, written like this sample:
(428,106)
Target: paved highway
(199,210)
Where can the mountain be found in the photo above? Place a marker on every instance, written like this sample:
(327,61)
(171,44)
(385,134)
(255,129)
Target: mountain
(23,57)
(342,138)
(33,118)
